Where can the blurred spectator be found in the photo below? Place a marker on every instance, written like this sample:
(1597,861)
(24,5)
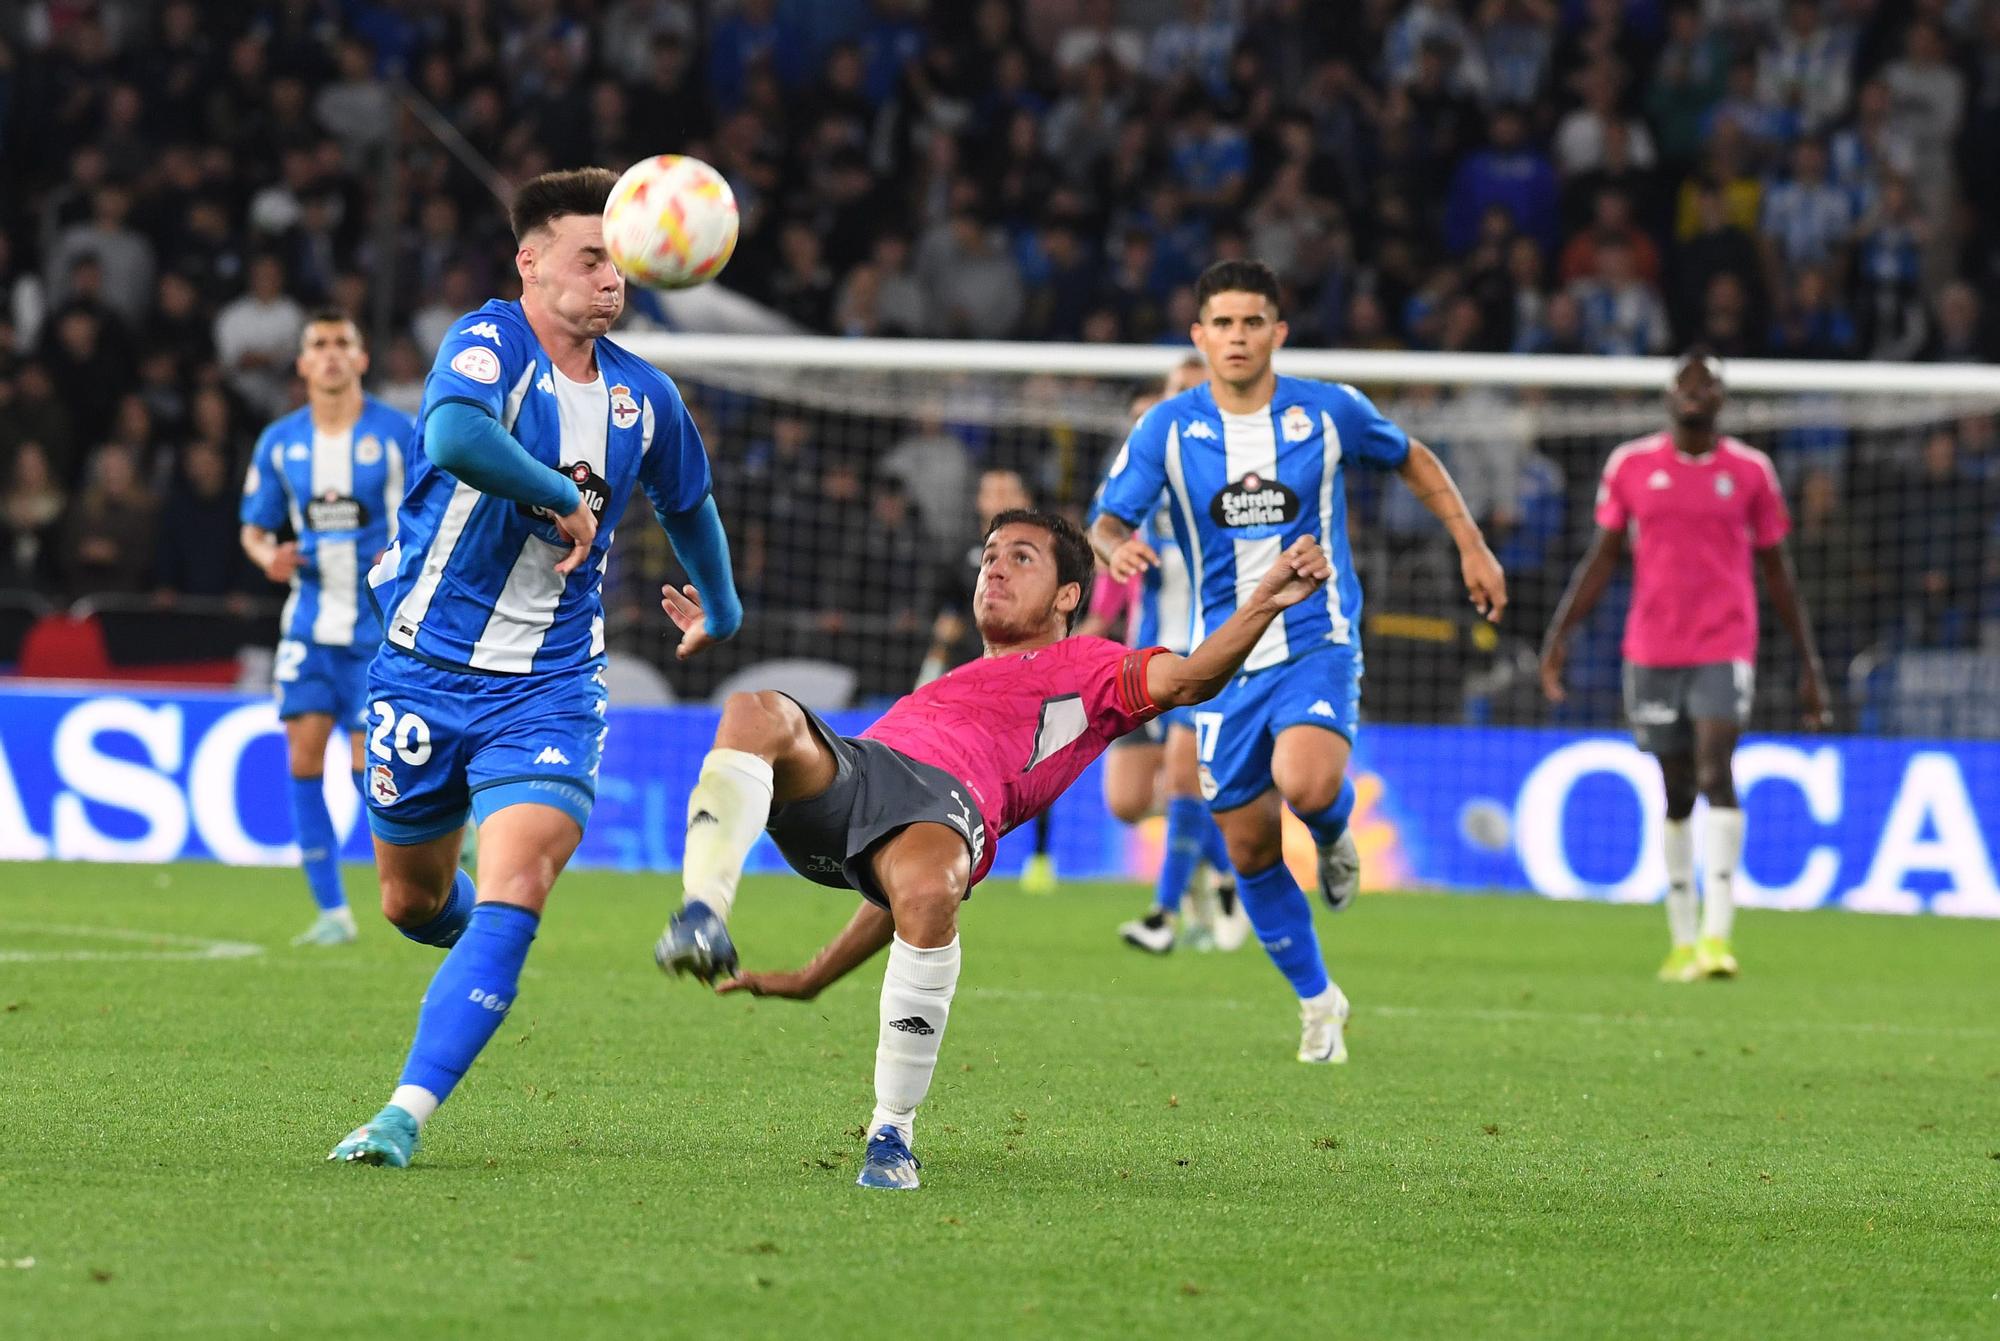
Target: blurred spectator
(1096,34)
(31,510)
(1510,173)
(1889,266)
(198,553)
(1515,41)
(1962,332)
(108,539)
(1611,225)
(1579,143)
(934,469)
(356,108)
(1829,554)
(1812,322)
(1716,247)
(1807,220)
(1941,559)
(123,254)
(402,376)
(972,286)
(1806,70)
(1687,82)
(257,338)
(1621,313)
(1196,47)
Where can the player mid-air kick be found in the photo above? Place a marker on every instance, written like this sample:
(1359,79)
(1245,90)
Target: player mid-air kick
(1703,510)
(333,470)
(488,693)
(1250,462)
(909,813)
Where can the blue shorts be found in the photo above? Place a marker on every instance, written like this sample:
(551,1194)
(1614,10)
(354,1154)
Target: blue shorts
(442,742)
(312,677)
(1235,730)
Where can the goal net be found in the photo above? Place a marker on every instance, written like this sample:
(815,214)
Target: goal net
(848,474)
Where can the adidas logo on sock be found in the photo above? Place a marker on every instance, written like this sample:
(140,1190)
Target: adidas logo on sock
(915,1024)
(702,817)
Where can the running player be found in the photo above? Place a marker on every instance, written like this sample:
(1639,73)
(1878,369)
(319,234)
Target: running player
(909,813)
(488,693)
(1699,507)
(1251,462)
(333,469)
(1154,764)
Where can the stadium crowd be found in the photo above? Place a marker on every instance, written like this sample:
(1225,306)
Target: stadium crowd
(180,183)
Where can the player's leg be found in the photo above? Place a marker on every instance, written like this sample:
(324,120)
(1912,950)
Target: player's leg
(1187,814)
(306,735)
(1131,782)
(767,753)
(1677,774)
(1721,843)
(923,871)
(1315,711)
(1039,876)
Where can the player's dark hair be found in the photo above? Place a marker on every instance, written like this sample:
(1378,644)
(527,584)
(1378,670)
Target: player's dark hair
(334,316)
(1074,560)
(1236,277)
(544,199)
(1700,352)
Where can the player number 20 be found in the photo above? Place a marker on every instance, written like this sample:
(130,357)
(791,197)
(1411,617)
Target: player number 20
(413,735)
(1207,726)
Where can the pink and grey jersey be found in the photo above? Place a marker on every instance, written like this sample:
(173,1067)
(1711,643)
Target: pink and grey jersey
(1019,729)
(1695,523)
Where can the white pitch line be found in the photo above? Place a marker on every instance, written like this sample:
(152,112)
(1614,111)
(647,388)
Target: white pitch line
(190,948)
(1488,1015)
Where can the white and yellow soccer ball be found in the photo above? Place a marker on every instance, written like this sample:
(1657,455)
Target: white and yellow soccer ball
(670,222)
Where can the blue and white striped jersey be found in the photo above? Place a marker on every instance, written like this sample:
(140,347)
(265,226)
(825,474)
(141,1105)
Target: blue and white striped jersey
(1242,487)
(471,582)
(340,491)
(1165,610)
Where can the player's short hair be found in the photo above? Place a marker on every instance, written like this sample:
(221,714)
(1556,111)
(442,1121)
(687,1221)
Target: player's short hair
(1075,562)
(333,316)
(1236,277)
(544,199)
(1698,353)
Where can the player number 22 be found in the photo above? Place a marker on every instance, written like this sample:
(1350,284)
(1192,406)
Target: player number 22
(285,664)
(413,735)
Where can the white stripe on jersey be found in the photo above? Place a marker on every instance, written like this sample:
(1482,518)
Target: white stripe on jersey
(410,613)
(338,565)
(1250,446)
(524,609)
(392,487)
(1329,463)
(1177,482)
(1175,598)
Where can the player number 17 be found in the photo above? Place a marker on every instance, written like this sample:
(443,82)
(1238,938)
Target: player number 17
(1207,726)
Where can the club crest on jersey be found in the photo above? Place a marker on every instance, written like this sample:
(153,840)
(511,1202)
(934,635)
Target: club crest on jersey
(1724,486)
(477,362)
(1659,479)
(335,511)
(368,451)
(624,410)
(382,786)
(1254,503)
(1298,425)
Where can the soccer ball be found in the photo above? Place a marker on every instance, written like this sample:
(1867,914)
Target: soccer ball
(670,222)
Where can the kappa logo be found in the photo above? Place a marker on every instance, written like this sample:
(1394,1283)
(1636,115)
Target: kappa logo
(1298,425)
(551,755)
(485,330)
(1199,429)
(702,817)
(1724,486)
(546,383)
(298,451)
(382,786)
(1320,708)
(1659,479)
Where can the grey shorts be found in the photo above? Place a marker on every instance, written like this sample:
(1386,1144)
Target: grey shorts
(1664,702)
(876,793)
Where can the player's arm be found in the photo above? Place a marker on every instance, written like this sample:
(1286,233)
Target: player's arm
(467,441)
(859,941)
(1586,586)
(262,511)
(675,477)
(1131,491)
(1175,681)
(1427,478)
(1782,583)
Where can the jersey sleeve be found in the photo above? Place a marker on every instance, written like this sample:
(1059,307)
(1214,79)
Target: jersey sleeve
(1114,687)
(1613,513)
(1139,471)
(1111,601)
(1770,521)
(1366,434)
(264,503)
(479,362)
(673,470)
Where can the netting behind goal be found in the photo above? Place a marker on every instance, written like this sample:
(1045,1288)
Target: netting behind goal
(850,492)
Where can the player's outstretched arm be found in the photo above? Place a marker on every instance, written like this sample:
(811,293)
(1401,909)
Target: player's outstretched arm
(1593,574)
(1432,484)
(1779,580)
(277,561)
(1173,682)
(703,549)
(859,941)
(1121,550)
(469,442)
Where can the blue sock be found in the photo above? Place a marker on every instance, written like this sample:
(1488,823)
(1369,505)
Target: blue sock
(1284,923)
(318,852)
(445,929)
(1183,852)
(1208,834)
(469,996)
(1329,824)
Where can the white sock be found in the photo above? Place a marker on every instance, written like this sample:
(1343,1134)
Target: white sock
(726,811)
(1683,909)
(415,1100)
(916,1002)
(1722,850)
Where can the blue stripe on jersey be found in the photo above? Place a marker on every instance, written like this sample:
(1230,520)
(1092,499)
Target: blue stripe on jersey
(1243,487)
(340,493)
(472,584)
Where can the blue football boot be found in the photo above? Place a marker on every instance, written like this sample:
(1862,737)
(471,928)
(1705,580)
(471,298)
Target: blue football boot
(696,942)
(890,1163)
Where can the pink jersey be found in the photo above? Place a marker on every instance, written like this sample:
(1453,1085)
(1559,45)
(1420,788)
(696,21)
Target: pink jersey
(1019,729)
(1117,603)
(1695,521)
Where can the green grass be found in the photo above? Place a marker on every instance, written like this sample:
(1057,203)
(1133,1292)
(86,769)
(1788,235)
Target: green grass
(1533,1139)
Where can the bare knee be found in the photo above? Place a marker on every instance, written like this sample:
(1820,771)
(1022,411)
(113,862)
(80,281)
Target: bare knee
(926,910)
(1714,781)
(411,903)
(758,721)
(1250,853)
(1310,795)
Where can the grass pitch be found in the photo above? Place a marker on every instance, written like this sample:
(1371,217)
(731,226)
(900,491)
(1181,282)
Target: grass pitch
(1534,1139)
